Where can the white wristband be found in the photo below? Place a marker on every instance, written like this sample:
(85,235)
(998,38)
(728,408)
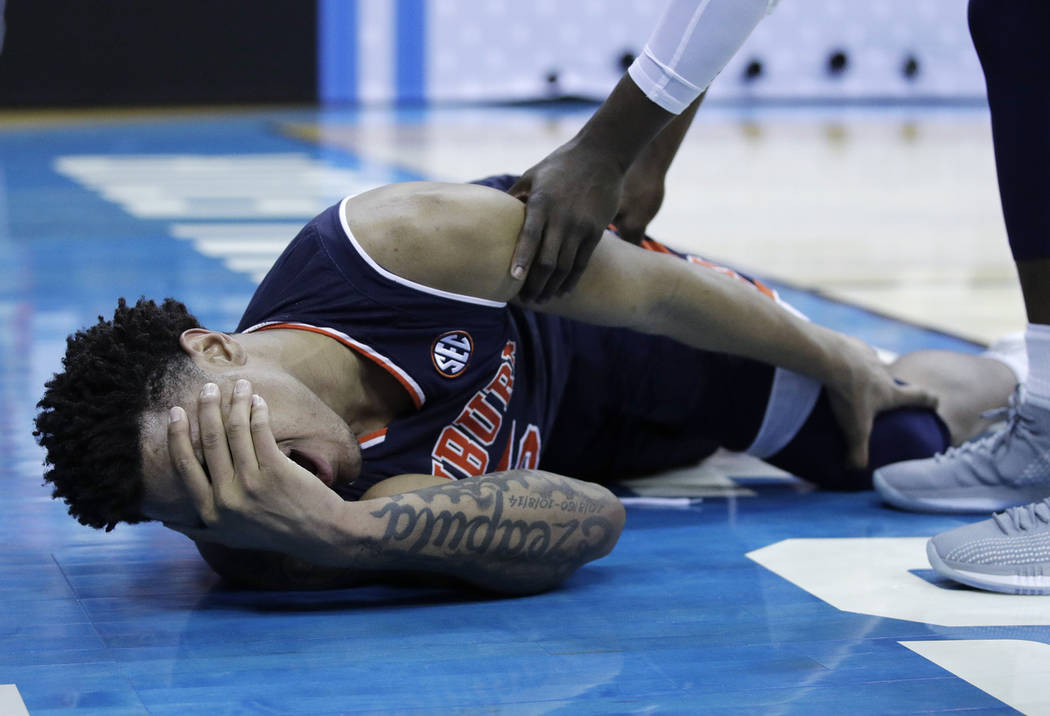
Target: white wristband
(692,43)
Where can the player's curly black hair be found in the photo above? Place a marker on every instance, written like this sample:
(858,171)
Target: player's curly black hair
(89,419)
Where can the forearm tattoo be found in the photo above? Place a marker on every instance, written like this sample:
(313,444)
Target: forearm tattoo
(517,531)
(524,521)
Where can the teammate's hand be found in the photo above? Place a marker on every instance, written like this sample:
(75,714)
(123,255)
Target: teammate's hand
(570,198)
(251,495)
(640,200)
(864,388)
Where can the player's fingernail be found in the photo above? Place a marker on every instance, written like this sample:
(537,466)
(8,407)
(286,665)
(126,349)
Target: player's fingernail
(210,390)
(174,415)
(241,387)
(518,272)
(257,401)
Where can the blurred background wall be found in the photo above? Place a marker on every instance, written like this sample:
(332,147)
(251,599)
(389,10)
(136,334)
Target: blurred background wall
(507,50)
(105,52)
(158,52)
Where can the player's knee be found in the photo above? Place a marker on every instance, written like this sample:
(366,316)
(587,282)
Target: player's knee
(906,434)
(817,454)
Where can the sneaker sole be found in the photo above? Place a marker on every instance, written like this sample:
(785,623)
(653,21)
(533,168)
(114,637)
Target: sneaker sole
(943,505)
(1003,583)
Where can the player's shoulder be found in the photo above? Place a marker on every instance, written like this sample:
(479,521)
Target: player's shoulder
(455,237)
(423,204)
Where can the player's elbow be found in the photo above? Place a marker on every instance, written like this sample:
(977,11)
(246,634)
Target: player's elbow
(659,307)
(617,517)
(554,553)
(599,531)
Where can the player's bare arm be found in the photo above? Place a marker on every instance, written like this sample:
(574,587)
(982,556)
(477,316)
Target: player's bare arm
(260,569)
(518,531)
(461,238)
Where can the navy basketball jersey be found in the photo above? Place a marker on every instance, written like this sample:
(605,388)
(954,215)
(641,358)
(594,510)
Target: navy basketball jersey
(485,377)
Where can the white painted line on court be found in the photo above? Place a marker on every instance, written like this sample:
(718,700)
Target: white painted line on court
(11,703)
(262,186)
(1012,670)
(873,575)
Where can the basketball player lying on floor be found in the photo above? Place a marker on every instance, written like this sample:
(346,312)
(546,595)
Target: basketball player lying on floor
(386,404)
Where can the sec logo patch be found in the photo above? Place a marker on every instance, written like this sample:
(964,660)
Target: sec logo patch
(451,353)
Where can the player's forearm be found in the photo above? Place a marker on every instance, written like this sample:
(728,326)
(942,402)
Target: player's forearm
(262,569)
(700,307)
(518,531)
(712,311)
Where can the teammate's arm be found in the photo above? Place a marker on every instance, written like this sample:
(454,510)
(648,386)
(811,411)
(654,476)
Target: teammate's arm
(573,193)
(518,531)
(644,182)
(460,238)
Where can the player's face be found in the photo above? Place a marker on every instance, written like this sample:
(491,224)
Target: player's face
(305,428)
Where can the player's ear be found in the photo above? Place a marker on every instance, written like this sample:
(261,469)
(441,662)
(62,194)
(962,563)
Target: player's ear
(213,347)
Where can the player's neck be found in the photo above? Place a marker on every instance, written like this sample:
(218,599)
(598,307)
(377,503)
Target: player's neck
(359,391)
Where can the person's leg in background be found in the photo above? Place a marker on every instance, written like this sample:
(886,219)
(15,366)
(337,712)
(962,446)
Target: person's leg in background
(1010,552)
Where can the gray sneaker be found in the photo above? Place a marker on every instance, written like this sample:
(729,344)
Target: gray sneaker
(1007,466)
(1008,553)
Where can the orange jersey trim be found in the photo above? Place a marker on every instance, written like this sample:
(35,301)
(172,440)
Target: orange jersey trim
(657,247)
(373,438)
(653,245)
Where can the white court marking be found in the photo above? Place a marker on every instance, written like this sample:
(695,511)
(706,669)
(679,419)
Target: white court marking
(244,247)
(711,478)
(193,188)
(1015,671)
(871,576)
(235,186)
(11,703)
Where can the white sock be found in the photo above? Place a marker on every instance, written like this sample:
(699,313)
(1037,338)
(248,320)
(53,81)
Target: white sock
(1037,345)
(1010,350)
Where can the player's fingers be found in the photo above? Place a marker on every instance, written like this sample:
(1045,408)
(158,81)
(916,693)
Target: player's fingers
(544,263)
(627,228)
(575,235)
(562,267)
(915,396)
(631,234)
(857,436)
(583,257)
(529,240)
(214,444)
(521,189)
(188,469)
(266,449)
(553,262)
(238,430)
